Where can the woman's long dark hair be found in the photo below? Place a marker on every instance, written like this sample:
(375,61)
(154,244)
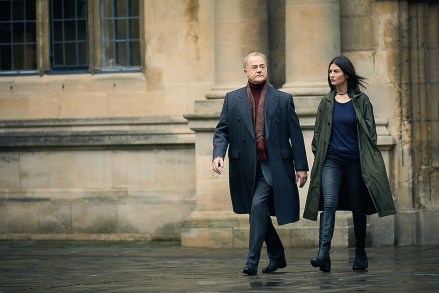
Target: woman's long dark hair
(354,80)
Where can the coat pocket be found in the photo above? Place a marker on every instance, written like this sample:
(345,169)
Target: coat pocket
(286,154)
(288,163)
(234,153)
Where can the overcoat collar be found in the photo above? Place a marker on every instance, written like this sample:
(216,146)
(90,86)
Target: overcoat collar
(271,102)
(331,96)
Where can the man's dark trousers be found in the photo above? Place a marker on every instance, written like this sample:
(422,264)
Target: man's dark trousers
(261,226)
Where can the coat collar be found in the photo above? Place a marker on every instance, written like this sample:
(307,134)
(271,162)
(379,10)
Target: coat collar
(271,102)
(331,96)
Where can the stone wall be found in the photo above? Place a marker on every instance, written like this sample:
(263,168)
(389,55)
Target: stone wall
(127,155)
(120,179)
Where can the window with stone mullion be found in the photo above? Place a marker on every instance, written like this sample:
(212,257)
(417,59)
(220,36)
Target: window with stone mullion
(120,38)
(18,36)
(69,34)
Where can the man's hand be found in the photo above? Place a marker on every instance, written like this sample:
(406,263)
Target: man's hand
(217,165)
(301,177)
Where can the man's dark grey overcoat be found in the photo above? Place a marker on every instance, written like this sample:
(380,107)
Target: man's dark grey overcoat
(286,151)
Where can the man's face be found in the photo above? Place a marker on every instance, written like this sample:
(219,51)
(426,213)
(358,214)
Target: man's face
(256,70)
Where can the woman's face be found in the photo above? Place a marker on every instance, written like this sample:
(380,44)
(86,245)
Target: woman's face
(336,75)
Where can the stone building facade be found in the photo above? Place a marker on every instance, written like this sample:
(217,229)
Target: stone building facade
(115,143)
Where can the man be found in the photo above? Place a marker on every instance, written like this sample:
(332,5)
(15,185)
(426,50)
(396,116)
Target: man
(267,158)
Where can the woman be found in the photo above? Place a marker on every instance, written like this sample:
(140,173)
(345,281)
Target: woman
(348,171)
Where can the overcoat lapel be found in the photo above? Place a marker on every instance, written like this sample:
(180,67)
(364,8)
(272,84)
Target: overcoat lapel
(271,102)
(244,108)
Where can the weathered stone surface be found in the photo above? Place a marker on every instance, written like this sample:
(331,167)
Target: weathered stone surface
(78,266)
(141,141)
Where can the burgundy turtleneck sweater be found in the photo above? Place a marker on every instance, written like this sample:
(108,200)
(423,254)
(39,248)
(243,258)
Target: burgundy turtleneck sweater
(256,91)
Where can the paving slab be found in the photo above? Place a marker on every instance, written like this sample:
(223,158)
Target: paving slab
(73,266)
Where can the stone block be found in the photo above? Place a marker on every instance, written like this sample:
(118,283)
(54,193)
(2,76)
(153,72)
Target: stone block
(13,108)
(18,218)
(9,170)
(305,237)
(207,237)
(241,237)
(54,218)
(386,66)
(42,107)
(93,169)
(204,144)
(47,169)
(94,218)
(343,236)
(133,168)
(174,170)
(202,123)
(381,231)
(356,33)
(406,228)
(428,225)
(208,106)
(127,104)
(284,233)
(214,194)
(384,33)
(216,219)
(204,167)
(83,105)
(306,107)
(364,64)
(379,96)
(160,219)
(355,8)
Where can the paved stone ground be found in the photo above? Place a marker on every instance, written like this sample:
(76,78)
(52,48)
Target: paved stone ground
(54,266)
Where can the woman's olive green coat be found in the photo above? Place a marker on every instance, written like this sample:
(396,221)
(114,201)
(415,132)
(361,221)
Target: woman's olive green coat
(372,163)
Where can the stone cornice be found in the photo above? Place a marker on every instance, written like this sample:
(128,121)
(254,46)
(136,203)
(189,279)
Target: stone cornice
(96,132)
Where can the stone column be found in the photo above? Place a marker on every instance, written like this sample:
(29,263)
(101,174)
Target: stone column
(241,27)
(312,40)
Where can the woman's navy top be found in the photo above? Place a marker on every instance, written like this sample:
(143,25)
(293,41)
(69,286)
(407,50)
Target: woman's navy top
(344,138)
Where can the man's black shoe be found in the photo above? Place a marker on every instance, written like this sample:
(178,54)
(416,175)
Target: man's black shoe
(249,270)
(274,265)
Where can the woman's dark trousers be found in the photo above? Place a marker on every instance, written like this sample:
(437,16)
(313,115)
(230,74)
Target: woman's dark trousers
(337,170)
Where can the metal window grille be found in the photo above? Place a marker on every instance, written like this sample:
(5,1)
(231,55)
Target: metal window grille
(69,34)
(18,36)
(120,38)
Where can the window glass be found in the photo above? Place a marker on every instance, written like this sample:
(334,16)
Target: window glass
(18,36)
(120,34)
(69,34)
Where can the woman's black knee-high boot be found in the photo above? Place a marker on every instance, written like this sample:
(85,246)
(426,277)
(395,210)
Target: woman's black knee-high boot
(323,261)
(361,262)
